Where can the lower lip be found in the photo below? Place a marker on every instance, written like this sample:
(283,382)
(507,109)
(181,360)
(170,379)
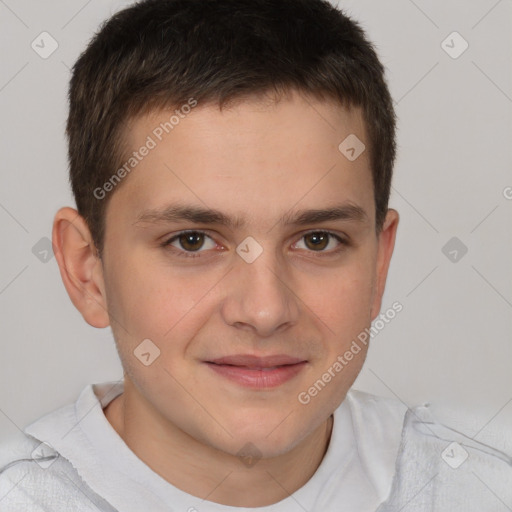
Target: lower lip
(258,379)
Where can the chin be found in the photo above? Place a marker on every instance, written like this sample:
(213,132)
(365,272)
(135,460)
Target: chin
(272,436)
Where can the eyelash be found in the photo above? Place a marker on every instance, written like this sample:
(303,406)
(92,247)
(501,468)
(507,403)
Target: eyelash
(196,254)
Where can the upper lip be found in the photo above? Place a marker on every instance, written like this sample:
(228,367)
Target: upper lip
(250,360)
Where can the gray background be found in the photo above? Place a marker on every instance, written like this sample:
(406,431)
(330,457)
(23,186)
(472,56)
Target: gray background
(449,346)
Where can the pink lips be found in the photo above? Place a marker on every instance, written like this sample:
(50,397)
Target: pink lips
(258,372)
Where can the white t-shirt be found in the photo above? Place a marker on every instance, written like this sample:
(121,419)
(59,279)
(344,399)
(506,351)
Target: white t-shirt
(382,457)
(86,466)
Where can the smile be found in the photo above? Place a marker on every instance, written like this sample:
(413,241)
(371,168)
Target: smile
(258,377)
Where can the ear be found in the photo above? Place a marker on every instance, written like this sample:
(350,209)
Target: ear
(386,244)
(80,267)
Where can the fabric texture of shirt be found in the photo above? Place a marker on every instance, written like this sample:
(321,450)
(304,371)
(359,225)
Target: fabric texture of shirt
(381,456)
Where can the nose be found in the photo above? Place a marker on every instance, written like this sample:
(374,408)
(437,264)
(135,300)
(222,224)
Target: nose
(260,297)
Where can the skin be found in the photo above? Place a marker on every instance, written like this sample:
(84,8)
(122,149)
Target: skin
(256,160)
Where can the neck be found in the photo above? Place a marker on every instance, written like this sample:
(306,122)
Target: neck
(203,471)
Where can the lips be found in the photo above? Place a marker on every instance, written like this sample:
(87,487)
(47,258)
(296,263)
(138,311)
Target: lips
(257,372)
(257,362)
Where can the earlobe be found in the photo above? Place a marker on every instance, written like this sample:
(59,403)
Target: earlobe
(80,268)
(386,244)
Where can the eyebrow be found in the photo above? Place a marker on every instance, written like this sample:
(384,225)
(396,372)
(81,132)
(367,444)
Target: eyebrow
(200,215)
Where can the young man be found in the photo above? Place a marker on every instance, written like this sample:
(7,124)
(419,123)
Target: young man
(231,162)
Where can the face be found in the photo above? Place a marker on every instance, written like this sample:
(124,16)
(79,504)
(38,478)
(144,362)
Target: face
(243,245)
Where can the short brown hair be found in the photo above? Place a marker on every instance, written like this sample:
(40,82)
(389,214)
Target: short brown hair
(158,54)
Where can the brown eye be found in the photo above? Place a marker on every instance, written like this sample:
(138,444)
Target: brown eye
(192,241)
(317,241)
(322,242)
(189,243)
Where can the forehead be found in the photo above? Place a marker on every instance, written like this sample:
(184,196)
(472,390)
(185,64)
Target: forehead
(255,155)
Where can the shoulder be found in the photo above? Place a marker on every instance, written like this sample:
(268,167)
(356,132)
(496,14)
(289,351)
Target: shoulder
(18,453)
(16,447)
(36,478)
(22,460)
(443,469)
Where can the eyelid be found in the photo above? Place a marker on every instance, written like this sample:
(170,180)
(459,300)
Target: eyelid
(340,237)
(169,240)
(342,240)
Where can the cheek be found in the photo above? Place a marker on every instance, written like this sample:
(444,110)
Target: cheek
(342,298)
(160,304)
(149,297)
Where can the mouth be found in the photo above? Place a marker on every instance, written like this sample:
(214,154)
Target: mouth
(258,372)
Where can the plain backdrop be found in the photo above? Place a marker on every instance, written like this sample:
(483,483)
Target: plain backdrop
(451,344)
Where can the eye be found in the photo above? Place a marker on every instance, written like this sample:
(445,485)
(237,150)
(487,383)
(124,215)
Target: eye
(192,243)
(188,242)
(319,241)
